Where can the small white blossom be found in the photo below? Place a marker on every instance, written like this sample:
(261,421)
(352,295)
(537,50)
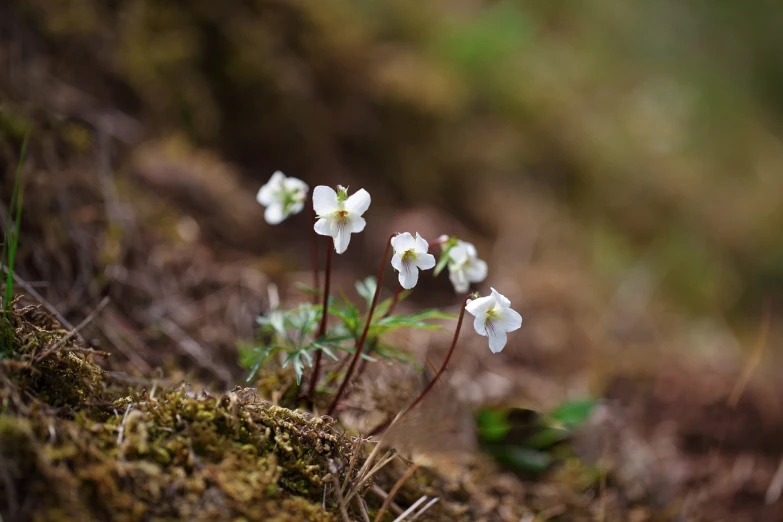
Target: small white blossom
(282,197)
(339,216)
(465,267)
(494,319)
(410,256)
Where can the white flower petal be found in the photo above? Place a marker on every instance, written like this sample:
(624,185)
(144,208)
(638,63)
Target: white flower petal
(425,261)
(274,214)
(325,200)
(497,340)
(358,203)
(458,254)
(323,227)
(421,243)
(470,249)
(341,239)
(409,276)
(295,185)
(356,224)
(458,279)
(507,320)
(403,242)
(500,298)
(396,262)
(480,306)
(480,324)
(295,208)
(266,195)
(476,271)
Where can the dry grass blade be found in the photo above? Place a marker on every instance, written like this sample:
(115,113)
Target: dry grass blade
(191,347)
(775,486)
(87,320)
(411,509)
(381,493)
(38,297)
(753,362)
(121,430)
(424,509)
(354,458)
(388,457)
(363,509)
(407,475)
(338,493)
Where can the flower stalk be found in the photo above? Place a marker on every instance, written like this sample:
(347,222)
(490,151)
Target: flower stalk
(435,379)
(322,324)
(363,338)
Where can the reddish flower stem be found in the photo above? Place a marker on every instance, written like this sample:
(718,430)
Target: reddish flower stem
(374,345)
(434,380)
(322,325)
(360,344)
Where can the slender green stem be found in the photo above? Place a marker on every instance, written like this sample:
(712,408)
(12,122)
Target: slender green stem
(10,242)
(322,325)
(363,338)
(434,380)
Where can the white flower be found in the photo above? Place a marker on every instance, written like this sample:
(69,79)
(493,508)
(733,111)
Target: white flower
(339,216)
(494,318)
(410,256)
(465,267)
(282,197)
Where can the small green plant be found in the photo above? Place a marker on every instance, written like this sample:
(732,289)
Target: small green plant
(301,336)
(8,256)
(527,441)
(290,333)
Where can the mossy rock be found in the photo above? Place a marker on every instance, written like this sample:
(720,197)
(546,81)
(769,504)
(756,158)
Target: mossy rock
(76,445)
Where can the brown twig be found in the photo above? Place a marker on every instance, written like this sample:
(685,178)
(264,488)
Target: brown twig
(407,475)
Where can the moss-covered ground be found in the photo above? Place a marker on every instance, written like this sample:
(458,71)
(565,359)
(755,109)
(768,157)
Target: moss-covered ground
(77,444)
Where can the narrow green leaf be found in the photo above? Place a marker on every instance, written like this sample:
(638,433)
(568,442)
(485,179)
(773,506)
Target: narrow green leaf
(573,413)
(10,243)
(546,438)
(443,261)
(366,289)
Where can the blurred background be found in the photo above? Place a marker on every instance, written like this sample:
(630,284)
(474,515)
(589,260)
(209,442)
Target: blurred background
(617,163)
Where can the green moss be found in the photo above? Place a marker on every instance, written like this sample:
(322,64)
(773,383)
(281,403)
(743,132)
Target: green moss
(84,448)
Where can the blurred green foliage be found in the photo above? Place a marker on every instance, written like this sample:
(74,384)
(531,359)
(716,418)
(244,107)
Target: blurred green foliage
(657,122)
(530,442)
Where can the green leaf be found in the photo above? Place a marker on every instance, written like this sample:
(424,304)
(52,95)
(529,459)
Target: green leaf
(546,438)
(307,289)
(10,243)
(522,459)
(366,289)
(492,425)
(443,261)
(417,320)
(573,414)
(389,352)
(253,358)
(348,314)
